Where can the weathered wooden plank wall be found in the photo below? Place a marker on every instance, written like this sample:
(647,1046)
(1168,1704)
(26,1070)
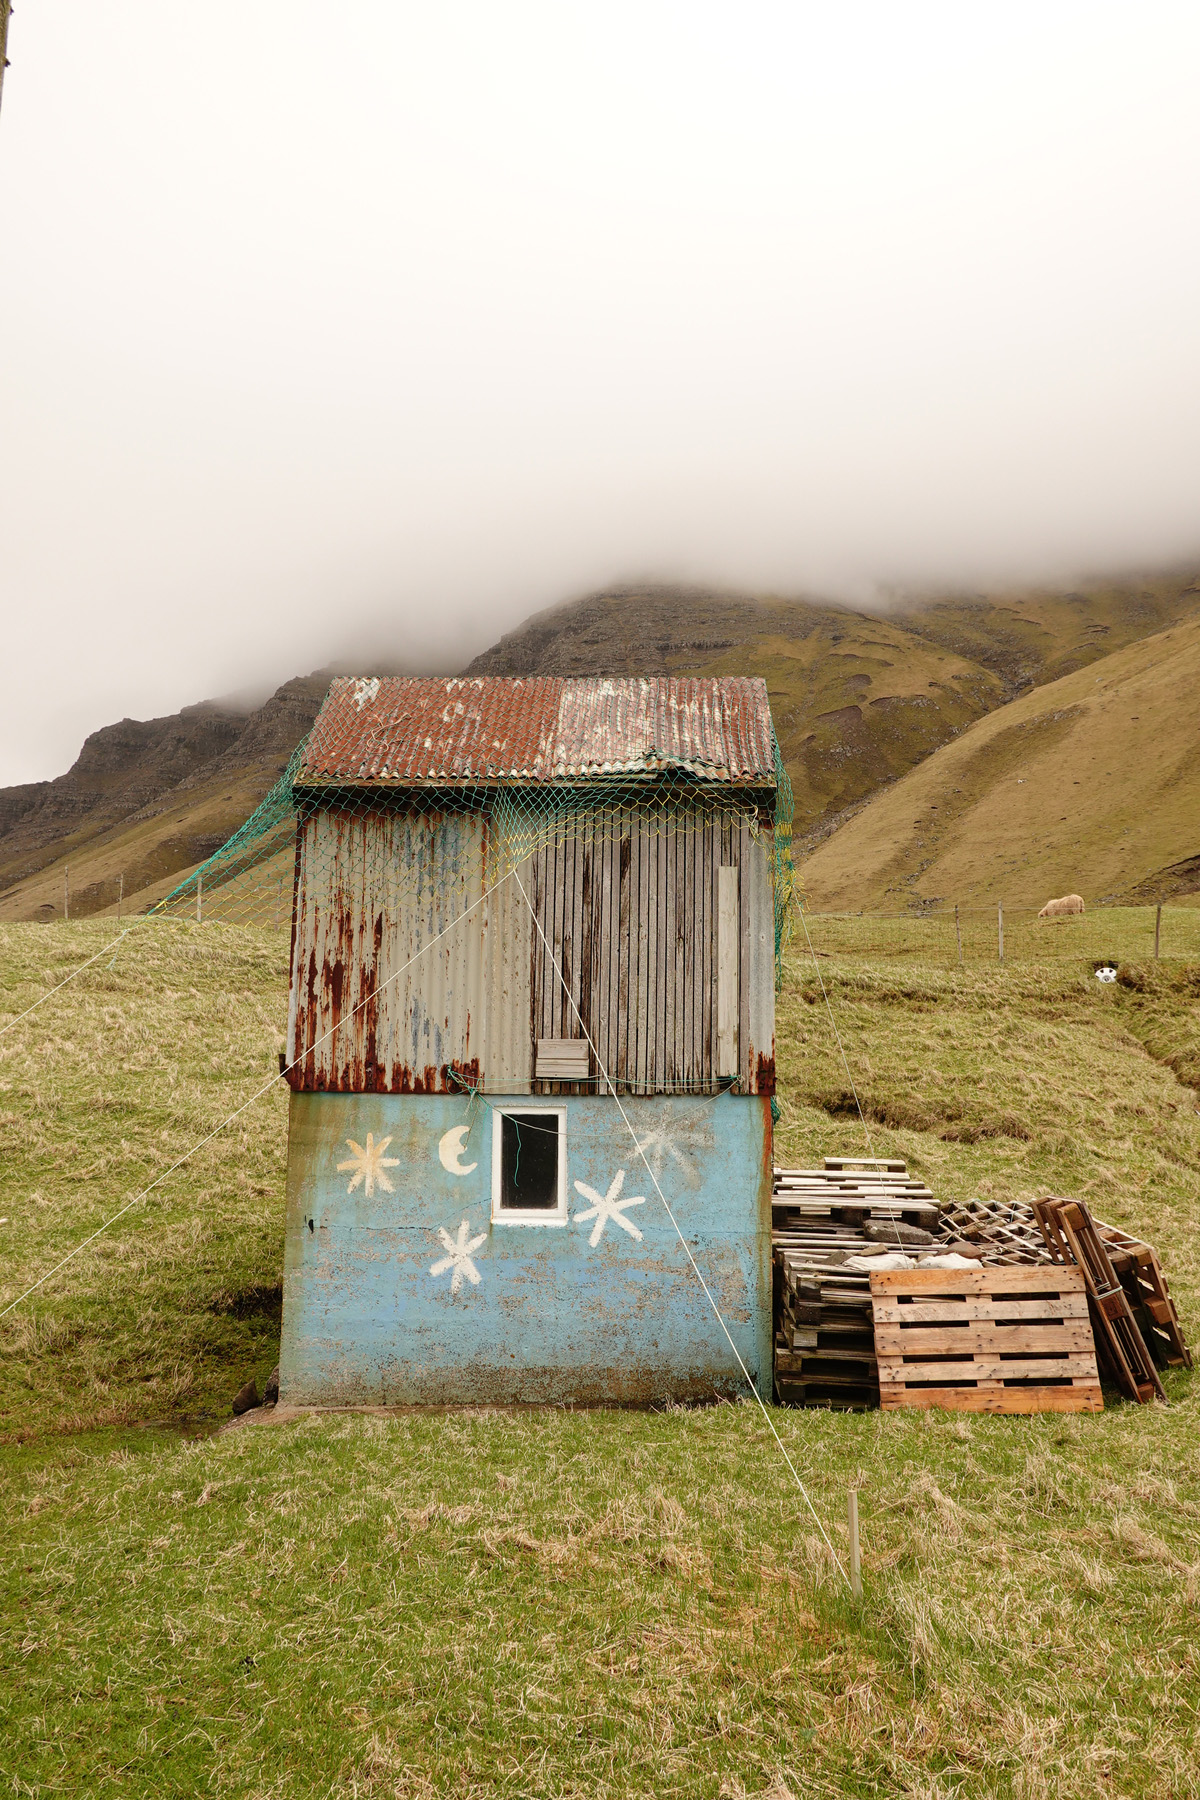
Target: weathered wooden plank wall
(631,904)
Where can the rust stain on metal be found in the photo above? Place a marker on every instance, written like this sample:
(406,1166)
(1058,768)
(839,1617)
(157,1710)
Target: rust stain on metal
(402,731)
(764,1074)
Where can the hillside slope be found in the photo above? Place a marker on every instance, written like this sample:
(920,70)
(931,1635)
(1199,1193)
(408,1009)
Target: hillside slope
(144,803)
(1034,635)
(1090,784)
(859,699)
(856,699)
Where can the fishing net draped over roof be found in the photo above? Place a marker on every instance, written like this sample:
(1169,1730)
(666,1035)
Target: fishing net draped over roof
(532,753)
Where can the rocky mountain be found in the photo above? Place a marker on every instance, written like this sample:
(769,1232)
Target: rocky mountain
(859,699)
(144,801)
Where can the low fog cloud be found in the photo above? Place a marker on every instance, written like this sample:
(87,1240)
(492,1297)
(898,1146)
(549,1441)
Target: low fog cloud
(389,324)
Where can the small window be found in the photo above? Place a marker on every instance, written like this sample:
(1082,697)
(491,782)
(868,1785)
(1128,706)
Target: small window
(529,1165)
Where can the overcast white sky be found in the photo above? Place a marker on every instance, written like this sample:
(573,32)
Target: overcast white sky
(387,324)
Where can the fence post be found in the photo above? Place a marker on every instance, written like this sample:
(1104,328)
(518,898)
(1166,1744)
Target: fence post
(1000,927)
(199,897)
(66,891)
(1157,928)
(120,896)
(958,930)
(855,1562)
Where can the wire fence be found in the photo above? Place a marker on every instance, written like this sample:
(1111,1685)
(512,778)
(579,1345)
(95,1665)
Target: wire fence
(1011,935)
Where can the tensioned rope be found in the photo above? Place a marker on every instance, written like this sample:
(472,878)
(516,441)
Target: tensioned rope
(114,945)
(752,1384)
(257,1095)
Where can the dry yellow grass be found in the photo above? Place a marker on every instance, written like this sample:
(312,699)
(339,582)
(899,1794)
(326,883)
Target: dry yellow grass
(1087,785)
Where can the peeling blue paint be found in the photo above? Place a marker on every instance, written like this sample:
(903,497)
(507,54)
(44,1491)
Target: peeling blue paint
(550,1318)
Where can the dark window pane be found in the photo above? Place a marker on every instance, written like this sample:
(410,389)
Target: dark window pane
(529,1160)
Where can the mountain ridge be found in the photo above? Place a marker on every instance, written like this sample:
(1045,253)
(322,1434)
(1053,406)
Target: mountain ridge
(860,698)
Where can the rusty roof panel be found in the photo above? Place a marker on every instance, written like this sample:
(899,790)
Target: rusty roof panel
(405,731)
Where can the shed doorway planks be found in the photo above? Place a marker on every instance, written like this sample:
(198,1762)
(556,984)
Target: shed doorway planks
(728,936)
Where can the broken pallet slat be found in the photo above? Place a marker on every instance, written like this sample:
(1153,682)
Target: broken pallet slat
(1141,1274)
(1043,1363)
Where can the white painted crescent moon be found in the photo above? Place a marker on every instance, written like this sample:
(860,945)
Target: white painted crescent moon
(450,1149)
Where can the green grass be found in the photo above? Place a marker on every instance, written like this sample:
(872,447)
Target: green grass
(100,1091)
(563,1604)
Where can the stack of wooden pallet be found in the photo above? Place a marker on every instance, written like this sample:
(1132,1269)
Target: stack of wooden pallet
(853,1191)
(824,1336)
(1015,1335)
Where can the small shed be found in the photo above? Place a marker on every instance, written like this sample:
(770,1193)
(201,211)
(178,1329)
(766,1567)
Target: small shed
(532,976)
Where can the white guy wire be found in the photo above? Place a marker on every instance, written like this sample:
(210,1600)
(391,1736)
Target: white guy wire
(675,1222)
(257,1095)
(116,944)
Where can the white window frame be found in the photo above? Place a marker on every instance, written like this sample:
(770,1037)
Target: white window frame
(542,1215)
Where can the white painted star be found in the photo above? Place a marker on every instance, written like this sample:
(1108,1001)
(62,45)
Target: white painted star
(458,1256)
(679,1139)
(607,1206)
(657,1145)
(368,1165)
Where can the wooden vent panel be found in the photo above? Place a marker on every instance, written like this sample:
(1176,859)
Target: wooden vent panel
(1000,1340)
(562,1059)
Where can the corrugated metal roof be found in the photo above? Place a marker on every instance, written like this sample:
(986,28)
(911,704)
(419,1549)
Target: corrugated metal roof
(407,731)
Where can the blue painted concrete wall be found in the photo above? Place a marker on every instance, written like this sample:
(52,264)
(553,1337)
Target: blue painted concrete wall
(372,1312)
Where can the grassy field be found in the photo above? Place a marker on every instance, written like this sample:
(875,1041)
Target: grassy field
(564,1604)
(1119,934)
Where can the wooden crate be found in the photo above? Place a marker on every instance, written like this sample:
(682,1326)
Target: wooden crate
(997,1340)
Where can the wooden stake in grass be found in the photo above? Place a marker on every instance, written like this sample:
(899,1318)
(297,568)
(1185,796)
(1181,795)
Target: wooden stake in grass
(199,898)
(1000,927)
(855,1563)
(958,930)
(120,896)
(1157,928)
(66,890)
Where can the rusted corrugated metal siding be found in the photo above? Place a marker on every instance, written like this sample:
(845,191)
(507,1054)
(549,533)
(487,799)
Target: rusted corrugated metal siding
(376,1005)
(403,731)
(627,900)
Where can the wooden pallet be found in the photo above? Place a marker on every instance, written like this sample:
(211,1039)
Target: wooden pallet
(1005,1231)
(1003,1340)
(1140,1273)
(1071,1237)
(851,1190)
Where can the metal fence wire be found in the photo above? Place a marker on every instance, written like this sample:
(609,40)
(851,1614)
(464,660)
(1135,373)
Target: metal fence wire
(947,936)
